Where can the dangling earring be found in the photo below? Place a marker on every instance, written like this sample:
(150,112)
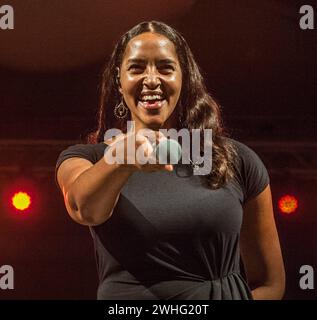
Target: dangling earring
(120,111)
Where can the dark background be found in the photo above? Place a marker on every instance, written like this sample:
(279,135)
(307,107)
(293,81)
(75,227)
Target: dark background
(257,63)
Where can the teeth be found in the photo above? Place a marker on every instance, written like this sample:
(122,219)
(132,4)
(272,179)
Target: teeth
(153,97)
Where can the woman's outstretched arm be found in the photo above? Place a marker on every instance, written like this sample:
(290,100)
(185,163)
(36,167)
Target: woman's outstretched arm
(90,191)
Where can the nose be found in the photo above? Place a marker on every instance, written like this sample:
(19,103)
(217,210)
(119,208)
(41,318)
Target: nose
(152,79)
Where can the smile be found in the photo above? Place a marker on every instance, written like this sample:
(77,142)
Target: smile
(151,101)
(151,104)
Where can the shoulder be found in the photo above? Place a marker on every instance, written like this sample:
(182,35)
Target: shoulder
(245,154)
(240,147)
(91,152)
(250,169)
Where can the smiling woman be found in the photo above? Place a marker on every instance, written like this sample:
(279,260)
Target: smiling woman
(183,86)
(157,234)
(151,80)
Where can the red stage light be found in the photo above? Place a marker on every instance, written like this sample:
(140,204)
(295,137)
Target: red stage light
(21,198)
(288,204)
(21,201)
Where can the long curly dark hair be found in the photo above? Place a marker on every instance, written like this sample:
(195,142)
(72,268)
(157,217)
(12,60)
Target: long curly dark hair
(196,108)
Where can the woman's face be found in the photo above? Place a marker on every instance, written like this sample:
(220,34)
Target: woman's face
(151,80)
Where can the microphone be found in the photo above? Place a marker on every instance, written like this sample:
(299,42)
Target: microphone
(167,151)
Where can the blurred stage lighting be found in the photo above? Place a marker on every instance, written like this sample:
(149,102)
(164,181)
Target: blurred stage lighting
(21,201)
(21,197)
(288,204)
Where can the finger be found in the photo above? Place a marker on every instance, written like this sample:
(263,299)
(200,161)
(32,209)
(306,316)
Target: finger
(140,138)
(110,140)
(158,167)
(115,139)
(159,136)
(169,167)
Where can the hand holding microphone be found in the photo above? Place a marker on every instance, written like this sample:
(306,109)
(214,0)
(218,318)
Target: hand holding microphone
(162,152)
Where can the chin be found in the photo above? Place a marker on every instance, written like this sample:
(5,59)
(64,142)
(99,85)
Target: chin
(153,121)
(154,125)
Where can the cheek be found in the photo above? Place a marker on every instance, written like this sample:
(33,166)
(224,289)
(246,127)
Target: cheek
(129,85)
(176,78)
(176,85)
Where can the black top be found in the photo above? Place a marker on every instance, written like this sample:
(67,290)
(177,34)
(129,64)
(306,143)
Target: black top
(172,237)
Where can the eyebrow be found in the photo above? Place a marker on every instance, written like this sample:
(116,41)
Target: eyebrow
(161,61)
(167,61)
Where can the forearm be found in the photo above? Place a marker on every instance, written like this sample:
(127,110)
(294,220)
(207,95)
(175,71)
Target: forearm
(91,197)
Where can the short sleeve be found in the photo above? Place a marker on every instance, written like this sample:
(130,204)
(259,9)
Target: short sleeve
(90,152)
(252,172)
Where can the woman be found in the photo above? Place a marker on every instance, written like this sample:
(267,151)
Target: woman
(159,234)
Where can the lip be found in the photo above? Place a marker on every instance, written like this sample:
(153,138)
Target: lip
(151,106)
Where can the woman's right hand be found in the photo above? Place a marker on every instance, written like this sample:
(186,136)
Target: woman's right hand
(143,149)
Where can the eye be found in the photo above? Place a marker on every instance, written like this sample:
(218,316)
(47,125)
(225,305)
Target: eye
(166,68)
(135,67)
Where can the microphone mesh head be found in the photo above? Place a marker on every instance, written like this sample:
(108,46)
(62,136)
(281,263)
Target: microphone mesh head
(168,151)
